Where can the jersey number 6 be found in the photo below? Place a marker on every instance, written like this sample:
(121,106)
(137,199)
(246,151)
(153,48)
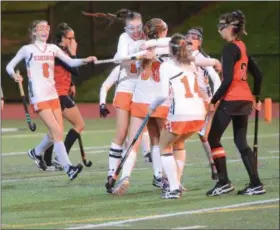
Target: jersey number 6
(46,72)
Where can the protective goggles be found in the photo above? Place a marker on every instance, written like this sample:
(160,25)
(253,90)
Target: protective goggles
(132,29)
(193,36)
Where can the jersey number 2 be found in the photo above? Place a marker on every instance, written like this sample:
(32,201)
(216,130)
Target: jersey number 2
(46,72)
(186,84)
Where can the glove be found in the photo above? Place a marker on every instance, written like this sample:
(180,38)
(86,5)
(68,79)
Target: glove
(103,111)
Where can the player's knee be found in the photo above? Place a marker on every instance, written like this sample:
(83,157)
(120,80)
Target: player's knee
(179,145)
(80,127)
(241,143)
(57,134)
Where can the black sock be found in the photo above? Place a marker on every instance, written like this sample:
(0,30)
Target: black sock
(250,163)
(221,166)
(70,139)
(48,156)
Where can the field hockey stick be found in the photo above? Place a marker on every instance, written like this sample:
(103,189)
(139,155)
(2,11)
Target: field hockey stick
(85,161)
(128,58)
(255,149)
(32,126)
(128,150)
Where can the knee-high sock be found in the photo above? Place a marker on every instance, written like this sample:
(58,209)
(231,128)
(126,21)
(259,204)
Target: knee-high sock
(44,145)
(48,156)
(60,150)
(170,168)
(115,156)
(180,157)
(129,164)
(70,139)
(156,160)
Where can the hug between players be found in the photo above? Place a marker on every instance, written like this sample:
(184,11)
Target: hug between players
(167,89)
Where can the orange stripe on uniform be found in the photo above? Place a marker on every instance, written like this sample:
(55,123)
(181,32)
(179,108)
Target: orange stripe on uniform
(183,127)
(122,100)
(141,110)
(218,152)
(53,104)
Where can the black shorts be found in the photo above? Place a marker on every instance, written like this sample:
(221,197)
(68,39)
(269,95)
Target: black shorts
(66,102)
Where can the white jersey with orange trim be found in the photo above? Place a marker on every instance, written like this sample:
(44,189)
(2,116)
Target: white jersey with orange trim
(181,85)
(148,86)
(129,70)
(39,58)
(204,73)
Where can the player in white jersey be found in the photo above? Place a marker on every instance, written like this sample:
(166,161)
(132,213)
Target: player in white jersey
(126,80)
(187,111)
(146,89)
(111,80)
(205,74)
(39,58)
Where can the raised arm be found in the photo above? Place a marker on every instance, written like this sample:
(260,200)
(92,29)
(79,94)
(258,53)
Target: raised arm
(214,77)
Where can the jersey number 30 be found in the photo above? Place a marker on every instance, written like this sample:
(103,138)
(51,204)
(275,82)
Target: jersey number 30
(46,72)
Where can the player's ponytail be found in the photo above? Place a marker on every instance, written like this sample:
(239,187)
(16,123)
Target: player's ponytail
(154,27)
(181,49)
(32,29)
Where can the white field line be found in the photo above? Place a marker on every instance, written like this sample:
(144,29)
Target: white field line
(191,227)
(204,210)
(136,169)
(108,146)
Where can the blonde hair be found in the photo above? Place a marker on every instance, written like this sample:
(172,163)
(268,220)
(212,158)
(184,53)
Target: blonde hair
(32,28)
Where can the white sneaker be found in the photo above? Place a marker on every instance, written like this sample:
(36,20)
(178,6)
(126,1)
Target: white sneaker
(121,187)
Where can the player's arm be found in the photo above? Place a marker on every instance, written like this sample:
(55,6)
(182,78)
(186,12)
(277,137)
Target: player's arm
(21,54)
(72,62)
(231,54)
(106,86)
(160,42)
(73,70)
(122,50)
(214,77)
(257,74)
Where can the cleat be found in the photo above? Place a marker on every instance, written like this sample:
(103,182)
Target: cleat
(214,173)
(175,194)
(121,187)
(182,188)
(157,182)
(220,189)
(50,168)
(41,163)
(109,184)
(165,185)
(73,171)
(252,190)
(148,157)
(57,164)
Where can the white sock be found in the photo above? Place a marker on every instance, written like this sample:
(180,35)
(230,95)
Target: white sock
(43,146)
(60,150)
(145,143)
(157,165)
(207,150)
(129,164)
(115,156)
(170,168)
(180,157)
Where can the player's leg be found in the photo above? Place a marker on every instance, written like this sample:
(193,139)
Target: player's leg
(146,146)
(255,187)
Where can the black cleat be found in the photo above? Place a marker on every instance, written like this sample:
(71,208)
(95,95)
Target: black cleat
(252,190)
(40,161)
(73,171)
(220,189)
(214,173)
(110,184)
(157,181)
(148,157)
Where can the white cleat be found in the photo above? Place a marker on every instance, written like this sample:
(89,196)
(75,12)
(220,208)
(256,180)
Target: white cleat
(121,187)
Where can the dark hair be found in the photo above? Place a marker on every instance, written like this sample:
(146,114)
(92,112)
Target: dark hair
(197,31)
(181,49)
(235,19)
(154,27)
(122,14)
(61,31)
(32,27)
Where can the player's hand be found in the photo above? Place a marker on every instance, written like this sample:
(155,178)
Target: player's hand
(211,107)
(90,59)
(17,77)
(73,47)
(150,54)
(73,90)
(257,106)
(218,66)
(103,111)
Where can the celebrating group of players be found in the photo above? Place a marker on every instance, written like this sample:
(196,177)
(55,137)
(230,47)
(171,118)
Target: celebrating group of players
(170,81)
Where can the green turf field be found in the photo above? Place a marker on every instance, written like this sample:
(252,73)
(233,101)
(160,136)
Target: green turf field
(35,199)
